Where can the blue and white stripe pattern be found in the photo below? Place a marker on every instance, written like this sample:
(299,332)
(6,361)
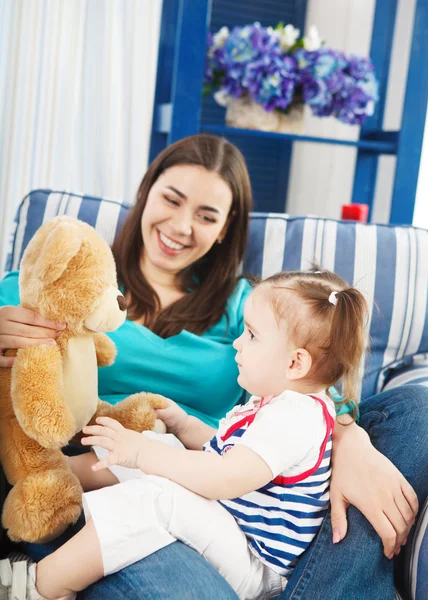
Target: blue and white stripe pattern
(387,263)
(104,214)
(417,559)
(282,518)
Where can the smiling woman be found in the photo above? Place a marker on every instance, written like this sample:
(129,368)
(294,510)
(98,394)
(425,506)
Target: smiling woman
(176,272)
(178,226)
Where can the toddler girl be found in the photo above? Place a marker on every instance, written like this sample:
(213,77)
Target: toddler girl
(250,496)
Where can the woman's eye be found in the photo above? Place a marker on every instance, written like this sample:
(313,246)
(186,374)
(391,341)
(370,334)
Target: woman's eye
(172,201)
(251,334)
(207,219)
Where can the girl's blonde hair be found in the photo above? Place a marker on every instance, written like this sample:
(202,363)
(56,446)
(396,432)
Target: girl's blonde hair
(331,326)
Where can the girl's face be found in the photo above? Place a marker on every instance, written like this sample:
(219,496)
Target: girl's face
(185,215)
(264,350)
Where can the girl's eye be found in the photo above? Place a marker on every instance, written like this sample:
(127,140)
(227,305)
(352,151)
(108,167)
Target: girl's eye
(251,334)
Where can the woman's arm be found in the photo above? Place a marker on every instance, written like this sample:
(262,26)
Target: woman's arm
(365,478)
(216,477)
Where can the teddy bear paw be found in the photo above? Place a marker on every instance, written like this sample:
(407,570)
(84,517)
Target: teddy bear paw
(137,412)
(42,505)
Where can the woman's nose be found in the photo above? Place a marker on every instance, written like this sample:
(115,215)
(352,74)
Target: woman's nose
(182,223)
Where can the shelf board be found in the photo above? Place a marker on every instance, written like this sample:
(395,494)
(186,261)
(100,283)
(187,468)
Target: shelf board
(375,146)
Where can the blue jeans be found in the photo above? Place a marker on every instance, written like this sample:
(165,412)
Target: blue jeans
(356,569)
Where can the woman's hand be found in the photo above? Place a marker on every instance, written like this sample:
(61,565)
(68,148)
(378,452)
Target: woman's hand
(365,478)
(174,417)
(21,327)
(124,445)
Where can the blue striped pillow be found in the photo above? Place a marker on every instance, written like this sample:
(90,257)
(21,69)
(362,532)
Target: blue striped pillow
(387,263)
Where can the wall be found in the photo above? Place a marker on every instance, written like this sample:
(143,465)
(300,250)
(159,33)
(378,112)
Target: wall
(321,177)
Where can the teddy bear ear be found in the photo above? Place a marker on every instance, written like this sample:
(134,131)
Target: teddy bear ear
(60,246)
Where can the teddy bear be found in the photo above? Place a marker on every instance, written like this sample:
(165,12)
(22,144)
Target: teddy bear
(50,393)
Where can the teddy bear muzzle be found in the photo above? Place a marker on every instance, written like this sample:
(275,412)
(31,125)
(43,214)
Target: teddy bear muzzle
(109,313)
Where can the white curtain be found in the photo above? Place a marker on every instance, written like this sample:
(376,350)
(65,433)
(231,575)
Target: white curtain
(77,81)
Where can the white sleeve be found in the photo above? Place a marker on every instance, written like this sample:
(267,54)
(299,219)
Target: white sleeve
(285,431)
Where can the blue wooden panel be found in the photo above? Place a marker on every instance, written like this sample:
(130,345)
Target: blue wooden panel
(268,159)
(412,126)
(165,68)
(188,75)
(380,52)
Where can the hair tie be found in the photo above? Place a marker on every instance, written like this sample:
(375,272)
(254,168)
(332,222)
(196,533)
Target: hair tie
(333,298)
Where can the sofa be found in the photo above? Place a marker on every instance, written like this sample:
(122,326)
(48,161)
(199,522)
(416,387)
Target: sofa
(387,263)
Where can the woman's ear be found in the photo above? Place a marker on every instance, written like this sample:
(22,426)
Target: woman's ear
(299,364)
(223,232)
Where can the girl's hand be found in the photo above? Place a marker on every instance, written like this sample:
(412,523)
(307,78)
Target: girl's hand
(21,327)
(365,478)
(123,444)
(174,417)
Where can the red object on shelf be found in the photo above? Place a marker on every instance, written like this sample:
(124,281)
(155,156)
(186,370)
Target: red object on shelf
(355,212)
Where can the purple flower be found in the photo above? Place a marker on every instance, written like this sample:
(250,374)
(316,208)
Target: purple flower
(250,61)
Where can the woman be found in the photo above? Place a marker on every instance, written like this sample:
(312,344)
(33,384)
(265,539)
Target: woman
(177,256)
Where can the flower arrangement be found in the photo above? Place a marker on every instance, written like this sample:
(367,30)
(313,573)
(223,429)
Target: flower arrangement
(279,71)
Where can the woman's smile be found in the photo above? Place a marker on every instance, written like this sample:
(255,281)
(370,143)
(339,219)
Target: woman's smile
(170,246)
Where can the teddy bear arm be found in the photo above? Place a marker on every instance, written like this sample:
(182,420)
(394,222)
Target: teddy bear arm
(105,350)
(37,396)
(137,412)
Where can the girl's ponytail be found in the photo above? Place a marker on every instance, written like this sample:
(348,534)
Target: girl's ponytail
(347,337)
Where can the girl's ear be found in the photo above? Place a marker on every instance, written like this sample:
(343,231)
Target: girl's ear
(299,364)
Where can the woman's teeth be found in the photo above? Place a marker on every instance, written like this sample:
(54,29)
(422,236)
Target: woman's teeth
(170,243)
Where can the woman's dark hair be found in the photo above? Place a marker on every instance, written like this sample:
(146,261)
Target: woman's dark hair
(210,280)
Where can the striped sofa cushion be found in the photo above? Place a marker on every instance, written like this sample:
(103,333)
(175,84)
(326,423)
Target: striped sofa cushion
(387,263)
(412,370)
(39,206)
(416,558)
(383,261)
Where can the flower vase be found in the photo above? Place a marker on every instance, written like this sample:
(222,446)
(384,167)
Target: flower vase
(246,114)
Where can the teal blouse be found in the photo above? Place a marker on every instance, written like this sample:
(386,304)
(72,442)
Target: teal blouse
(196,371)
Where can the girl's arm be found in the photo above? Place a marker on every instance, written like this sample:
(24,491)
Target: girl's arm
(365,478)
(239,471)
(191,431)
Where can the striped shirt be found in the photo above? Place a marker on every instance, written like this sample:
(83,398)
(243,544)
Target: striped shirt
(293,434)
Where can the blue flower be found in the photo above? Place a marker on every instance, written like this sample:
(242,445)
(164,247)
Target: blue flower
(252,61)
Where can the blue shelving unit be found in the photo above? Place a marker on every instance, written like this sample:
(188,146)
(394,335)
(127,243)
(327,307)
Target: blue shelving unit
(179,110)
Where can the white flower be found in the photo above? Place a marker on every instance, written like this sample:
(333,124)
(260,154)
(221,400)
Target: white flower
(219,38)
(222,98)
(272,31)
(312,41)
(288,36)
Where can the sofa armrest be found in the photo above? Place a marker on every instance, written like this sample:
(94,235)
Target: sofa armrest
(414,370)
(416,558)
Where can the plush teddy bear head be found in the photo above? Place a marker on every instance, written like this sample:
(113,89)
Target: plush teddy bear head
(68,274)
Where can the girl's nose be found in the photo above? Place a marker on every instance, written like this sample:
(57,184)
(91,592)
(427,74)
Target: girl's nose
(236,344)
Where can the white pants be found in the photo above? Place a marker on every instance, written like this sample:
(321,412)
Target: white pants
(143,513)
